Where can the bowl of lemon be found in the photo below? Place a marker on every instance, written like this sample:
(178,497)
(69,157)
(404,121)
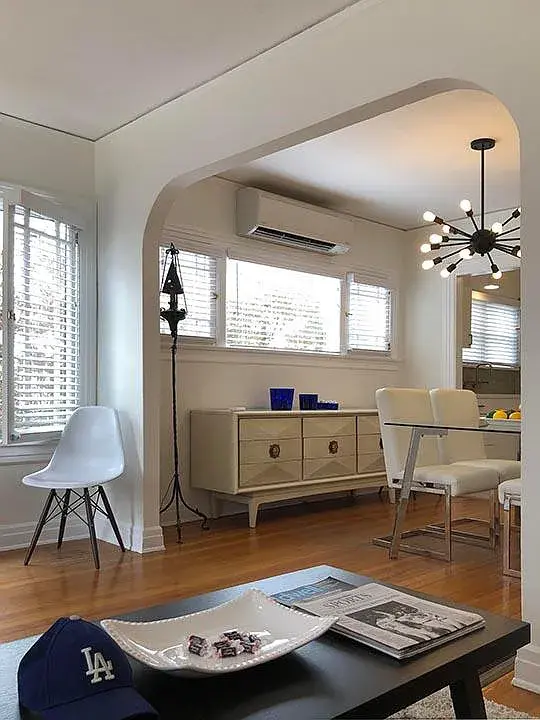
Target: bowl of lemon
(504,415)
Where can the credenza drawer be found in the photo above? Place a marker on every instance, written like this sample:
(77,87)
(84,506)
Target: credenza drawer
(370,463)
(329,467)
(325,426)
(263,451)
(269,428)
(337,446)
(270,473)
(368,425)
(369,444)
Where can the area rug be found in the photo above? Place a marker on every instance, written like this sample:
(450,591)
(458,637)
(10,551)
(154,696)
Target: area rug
(439,707)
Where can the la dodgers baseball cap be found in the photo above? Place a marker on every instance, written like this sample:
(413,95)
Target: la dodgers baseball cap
(76,671)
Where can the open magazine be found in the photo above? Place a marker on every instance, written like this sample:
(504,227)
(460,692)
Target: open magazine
(394,622)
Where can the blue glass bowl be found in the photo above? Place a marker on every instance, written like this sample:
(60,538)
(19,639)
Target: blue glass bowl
(281,398)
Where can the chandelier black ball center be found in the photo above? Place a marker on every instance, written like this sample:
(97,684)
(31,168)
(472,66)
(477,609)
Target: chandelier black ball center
(483,241)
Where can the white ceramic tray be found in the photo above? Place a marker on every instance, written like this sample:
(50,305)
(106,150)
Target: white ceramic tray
(162,644)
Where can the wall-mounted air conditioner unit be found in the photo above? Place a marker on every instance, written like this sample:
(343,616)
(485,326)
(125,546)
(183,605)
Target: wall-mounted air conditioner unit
(276,219)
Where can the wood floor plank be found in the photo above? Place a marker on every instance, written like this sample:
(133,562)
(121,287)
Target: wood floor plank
(336,532)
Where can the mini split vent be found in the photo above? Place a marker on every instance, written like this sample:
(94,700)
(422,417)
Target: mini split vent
(279,220)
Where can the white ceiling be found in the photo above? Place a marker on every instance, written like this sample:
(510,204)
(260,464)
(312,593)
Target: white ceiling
(90,66)
(393,167)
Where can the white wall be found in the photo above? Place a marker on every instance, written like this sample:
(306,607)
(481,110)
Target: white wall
(61,167)
(210,377)
(303,88)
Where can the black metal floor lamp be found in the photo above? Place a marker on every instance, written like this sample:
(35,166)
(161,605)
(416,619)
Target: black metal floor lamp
(171,285)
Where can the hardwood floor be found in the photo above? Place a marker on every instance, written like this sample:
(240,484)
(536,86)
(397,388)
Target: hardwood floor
(335,532)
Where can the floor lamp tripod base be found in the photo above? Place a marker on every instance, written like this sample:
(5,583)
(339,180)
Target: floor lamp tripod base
(173,495)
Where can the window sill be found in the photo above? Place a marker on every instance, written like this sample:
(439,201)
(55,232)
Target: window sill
(34,453)
(198,352)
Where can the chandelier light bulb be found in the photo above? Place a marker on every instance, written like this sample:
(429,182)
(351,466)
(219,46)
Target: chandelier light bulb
(516,251)
(427,264)
(446,229)
(519,253)
(429,216)
(425,248)
(497,228)
(445,273)
(466,254)
(496,274)
(435,239)
(465,205)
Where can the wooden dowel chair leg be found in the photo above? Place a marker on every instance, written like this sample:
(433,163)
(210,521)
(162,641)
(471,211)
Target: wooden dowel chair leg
(63,518)
(91,526)
(110,515)
(39,527)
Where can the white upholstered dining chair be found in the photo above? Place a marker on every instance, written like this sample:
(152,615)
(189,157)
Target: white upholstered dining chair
(460,407)
(431,475)
(88,455)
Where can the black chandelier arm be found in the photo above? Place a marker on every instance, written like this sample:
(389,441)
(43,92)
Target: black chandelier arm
(445,257)
(508,251)
(507,239)
(507,232)
(513,216)
(457,231)
(471,216)
(437,246)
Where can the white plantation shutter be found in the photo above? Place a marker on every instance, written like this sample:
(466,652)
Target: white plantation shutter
(369,317)
(281,309)
(495,333)
(43,323)
(199,277)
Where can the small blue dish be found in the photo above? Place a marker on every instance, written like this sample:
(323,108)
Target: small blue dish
(308,401)
(327,406)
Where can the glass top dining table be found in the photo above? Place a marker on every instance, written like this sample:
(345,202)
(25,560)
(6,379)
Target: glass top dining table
(433,429)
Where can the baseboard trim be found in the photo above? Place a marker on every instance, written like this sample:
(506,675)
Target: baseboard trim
(135,537)
(527,669)
(19,535)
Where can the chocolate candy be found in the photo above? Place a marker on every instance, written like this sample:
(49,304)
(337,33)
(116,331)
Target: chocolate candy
(229,644)
(197,645)
(196,640)
(198,649)
(229,651)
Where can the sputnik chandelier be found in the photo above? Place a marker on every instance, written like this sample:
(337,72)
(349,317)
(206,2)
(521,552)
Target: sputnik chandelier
(482,241)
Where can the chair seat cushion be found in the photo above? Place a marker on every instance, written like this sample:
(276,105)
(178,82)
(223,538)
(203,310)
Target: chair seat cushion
(462,479)
(509,487)
(506,469)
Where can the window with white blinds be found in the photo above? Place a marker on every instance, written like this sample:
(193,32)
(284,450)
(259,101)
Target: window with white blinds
(199,279)
(281,309)
(369,317)
(43,338)
(495,333)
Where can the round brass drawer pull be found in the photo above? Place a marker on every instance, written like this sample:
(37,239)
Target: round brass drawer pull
(333,447)
(274,451)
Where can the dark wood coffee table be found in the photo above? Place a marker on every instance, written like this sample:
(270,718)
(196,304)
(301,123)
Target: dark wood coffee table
(330,677)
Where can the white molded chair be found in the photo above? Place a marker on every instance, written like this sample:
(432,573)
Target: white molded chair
(510,499)
(88,455)
(430,475)
(460,407)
